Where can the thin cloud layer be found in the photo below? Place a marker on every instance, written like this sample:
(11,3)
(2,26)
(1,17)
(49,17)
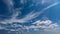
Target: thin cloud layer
(45,32)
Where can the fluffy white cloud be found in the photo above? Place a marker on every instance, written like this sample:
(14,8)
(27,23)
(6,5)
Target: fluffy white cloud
(46,22)
(52,26)
(46,25)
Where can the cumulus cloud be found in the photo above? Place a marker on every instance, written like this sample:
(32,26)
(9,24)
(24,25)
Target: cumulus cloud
(46,22)
(40,24)
(52,26)
(46,25)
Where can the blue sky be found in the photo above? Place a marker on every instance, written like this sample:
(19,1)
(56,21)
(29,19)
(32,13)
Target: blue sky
(32,16)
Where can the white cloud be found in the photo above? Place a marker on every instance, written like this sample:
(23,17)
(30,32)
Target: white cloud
(28,17)
(32,15)
(2,27)
(46,22)
(46,25)
(52,26)
(14,18)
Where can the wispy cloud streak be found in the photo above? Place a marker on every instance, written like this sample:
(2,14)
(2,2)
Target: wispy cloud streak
(28,17)
(33,15)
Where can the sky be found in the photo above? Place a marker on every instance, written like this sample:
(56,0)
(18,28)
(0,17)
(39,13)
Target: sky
(30,16)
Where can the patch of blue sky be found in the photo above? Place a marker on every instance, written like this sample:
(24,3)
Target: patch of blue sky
(53,13)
